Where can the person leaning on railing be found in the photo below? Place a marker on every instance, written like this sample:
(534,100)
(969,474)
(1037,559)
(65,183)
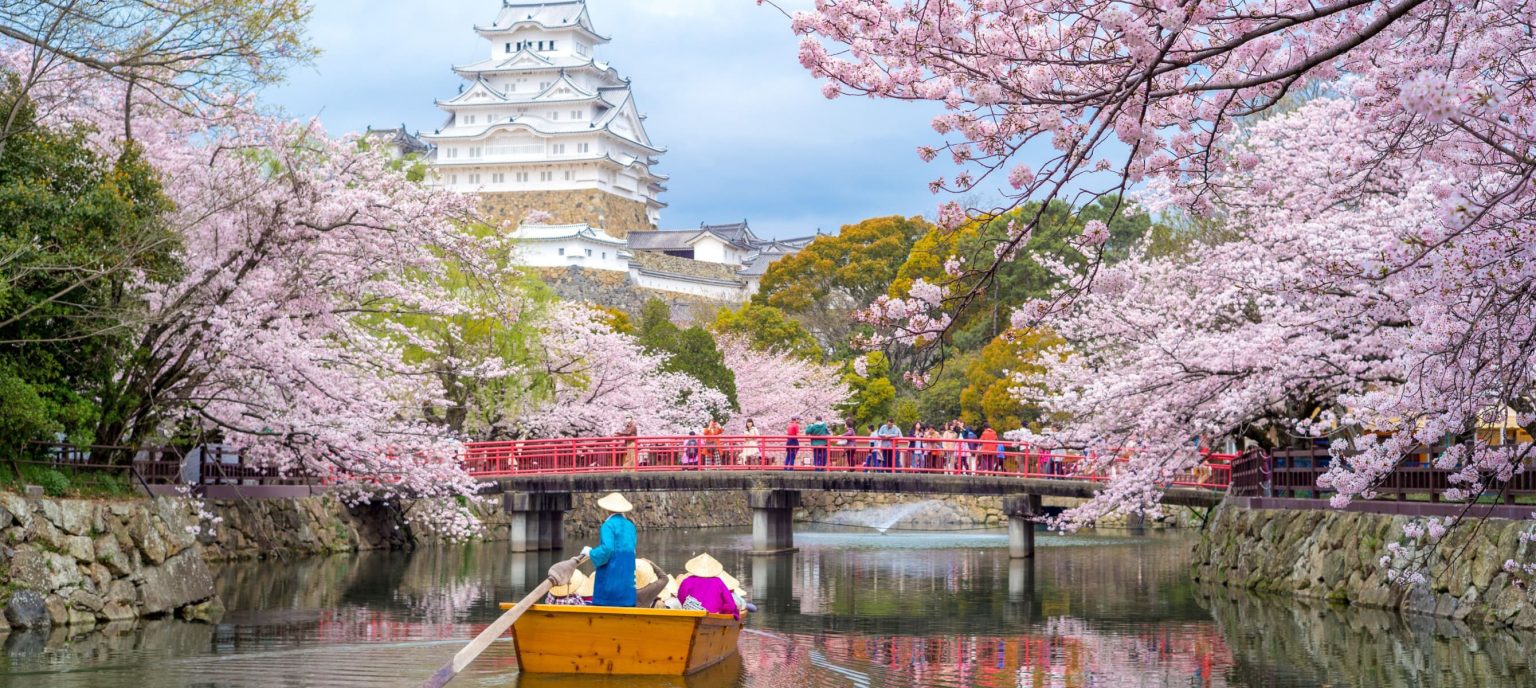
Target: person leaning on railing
(631,445)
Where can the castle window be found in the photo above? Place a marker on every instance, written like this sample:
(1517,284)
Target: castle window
(559,149)
(583,148)
(605,255)
(498,178)
(474,151)
(562,251)
(522,176)
(509,47)
(569,175)
(546,176)
(474,179)
(551,45)
(589,253)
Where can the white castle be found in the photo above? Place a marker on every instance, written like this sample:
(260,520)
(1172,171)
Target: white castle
(541,114)
(540,124)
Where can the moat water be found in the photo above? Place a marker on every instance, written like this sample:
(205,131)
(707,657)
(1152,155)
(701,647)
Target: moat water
(852,608)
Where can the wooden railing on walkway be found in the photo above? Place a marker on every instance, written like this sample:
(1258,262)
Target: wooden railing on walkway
(1293,473)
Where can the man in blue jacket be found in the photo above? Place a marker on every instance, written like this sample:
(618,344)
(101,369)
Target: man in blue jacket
(614,556)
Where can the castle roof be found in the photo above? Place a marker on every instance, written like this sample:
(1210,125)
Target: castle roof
(527,232)
(548,15)
(403,141)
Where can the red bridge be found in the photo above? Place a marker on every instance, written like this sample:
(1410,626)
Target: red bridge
(837,454)
(538,477)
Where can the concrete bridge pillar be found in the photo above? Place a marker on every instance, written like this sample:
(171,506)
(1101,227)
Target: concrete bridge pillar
(773,515)
(538,520)
(1021,510)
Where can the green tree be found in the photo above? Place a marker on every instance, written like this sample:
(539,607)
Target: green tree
(498,330)
(78,233)
(939,401)
(834,276)
(872,397)
(990,394)
(767,329)
(693,351)
(1020,280)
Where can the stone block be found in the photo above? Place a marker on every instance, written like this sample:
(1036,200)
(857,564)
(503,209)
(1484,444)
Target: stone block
(34,491)
(209,611)
(58,610)
(80,547)
(110,554)
(181,580)
(148,540)
(19,509)
(44,571)
(27,609)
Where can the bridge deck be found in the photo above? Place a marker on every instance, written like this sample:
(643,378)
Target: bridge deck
(920,483)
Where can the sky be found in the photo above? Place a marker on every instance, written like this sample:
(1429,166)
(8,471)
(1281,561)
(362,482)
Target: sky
(747,132)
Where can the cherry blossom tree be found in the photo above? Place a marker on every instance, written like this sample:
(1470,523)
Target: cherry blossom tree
(1377,289)
(773,386)
(1353,303)
(1045,100)
(298,253)
(598,377)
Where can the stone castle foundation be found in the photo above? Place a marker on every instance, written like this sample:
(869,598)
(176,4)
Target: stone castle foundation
(613,214)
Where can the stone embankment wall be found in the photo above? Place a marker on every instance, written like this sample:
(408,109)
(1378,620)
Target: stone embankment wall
(1334,556)
(75,562)
(662,510)
(614,290)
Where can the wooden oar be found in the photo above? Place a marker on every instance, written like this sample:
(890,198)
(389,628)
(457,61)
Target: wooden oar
(489,635)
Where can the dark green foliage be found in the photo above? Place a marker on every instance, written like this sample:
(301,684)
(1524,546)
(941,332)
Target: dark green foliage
(77,233)
(692,351)
(54,483)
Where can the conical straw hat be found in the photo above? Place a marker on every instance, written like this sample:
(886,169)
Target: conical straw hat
(670,591)
(616,503)
(645,573)
(577,580)
(730,581)
(704,566)
(588,586)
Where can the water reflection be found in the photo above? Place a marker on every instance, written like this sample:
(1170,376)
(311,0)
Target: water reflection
(1304,643)
(851,608)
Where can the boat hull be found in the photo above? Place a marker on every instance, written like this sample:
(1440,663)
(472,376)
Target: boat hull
(557,639)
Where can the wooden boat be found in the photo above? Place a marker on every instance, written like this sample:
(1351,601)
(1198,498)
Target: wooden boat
(561,639)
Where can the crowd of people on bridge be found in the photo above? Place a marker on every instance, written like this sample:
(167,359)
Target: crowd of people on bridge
(953,447)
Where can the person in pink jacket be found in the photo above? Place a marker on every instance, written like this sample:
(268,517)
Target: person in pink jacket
(704,590)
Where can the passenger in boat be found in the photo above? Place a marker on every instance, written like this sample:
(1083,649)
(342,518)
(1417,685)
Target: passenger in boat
(568,594)
(648,582)
(614,556)
(704,590)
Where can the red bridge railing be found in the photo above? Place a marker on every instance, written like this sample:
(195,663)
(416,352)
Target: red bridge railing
(802,453)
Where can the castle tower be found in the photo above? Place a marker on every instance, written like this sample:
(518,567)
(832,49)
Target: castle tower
(542,125)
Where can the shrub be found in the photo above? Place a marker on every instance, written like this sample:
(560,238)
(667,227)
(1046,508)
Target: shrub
(54,483)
